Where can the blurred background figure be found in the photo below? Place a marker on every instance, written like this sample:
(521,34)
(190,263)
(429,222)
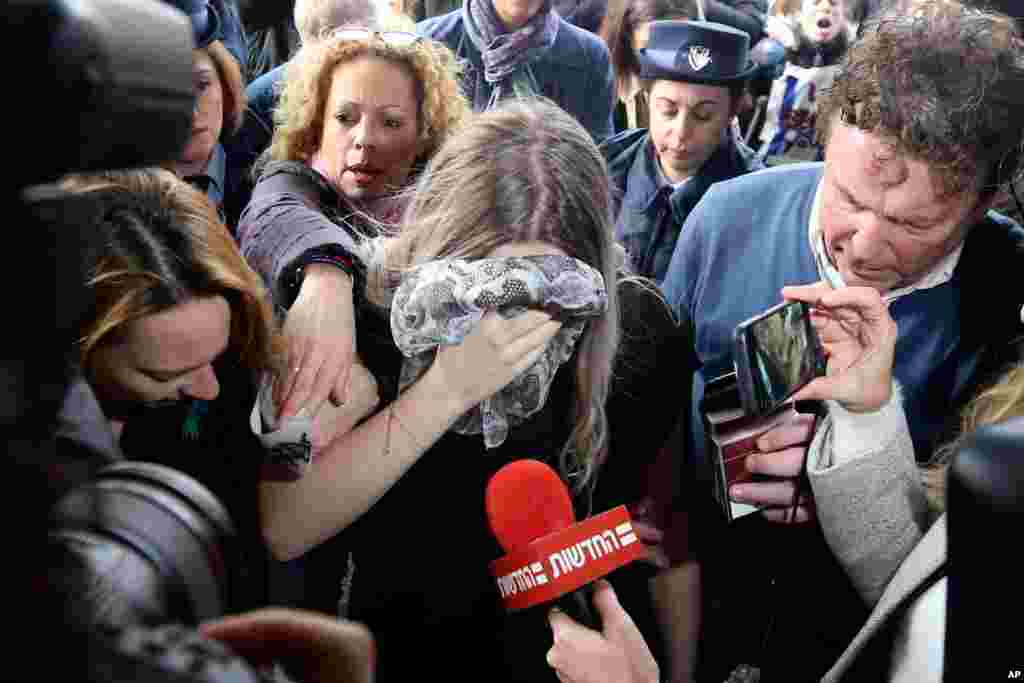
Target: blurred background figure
(511,49)
(220,98)
(815,35)
(626,30)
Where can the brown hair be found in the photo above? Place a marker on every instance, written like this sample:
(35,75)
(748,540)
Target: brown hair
(624,18)
(299,117)
(945,85)
(163,245)
(232,87)
(523,171)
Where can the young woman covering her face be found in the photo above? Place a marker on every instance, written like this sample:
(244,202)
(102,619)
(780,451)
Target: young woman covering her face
(521,187)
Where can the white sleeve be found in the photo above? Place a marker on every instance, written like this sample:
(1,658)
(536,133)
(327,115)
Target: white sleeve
(858,434)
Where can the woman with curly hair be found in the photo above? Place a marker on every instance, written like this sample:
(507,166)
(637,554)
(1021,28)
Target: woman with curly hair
(360,112)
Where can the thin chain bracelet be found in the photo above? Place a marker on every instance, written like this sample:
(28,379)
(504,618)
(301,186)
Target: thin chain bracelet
(387,432)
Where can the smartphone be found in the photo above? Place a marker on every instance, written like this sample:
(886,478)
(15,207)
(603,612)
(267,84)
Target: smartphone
(775,353)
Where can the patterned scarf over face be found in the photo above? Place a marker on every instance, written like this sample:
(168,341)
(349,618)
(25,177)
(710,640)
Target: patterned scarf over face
(443,301)
(507,54)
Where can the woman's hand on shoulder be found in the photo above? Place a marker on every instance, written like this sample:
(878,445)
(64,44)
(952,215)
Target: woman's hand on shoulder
(492,355)
(320,335)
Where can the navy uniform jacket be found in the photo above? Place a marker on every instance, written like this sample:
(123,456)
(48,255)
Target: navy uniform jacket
(649,212)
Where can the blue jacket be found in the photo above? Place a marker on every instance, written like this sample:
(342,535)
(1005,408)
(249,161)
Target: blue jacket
(576,73)
(251,139)
(650,213)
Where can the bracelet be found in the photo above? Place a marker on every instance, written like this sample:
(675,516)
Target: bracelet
(387,432)
(342,263)
(330,254)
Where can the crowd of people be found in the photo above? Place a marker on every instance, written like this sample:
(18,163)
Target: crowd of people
(416,252)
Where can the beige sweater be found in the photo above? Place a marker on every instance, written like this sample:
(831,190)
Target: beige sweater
(874,514)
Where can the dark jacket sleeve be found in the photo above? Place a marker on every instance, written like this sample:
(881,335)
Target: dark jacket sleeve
(746,15)
(596,117)
(282,222)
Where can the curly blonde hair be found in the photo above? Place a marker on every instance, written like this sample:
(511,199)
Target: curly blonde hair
(299,117)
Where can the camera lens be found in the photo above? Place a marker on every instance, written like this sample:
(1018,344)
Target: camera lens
(148,544)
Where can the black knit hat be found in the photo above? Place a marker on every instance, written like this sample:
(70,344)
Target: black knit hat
(697,52)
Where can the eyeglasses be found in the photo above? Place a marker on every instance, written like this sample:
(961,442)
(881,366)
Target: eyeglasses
(392,38)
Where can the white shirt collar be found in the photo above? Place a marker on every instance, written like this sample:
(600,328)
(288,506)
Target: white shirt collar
(940,274)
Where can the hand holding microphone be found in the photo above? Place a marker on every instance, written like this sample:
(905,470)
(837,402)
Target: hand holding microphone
(618,654)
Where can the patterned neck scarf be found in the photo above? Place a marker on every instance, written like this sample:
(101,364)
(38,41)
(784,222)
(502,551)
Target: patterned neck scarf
(507,55)
(443,301)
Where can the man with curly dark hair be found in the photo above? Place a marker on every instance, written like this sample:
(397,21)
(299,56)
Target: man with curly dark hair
(922,129)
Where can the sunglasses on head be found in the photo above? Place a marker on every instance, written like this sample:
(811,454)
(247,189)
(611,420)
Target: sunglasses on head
(393,38)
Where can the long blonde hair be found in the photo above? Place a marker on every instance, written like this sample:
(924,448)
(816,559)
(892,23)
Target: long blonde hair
(524,171)
(999,402)
(164,245)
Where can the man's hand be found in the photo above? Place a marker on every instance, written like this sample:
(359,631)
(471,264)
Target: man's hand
(310,646)
(781,452)
(618,655)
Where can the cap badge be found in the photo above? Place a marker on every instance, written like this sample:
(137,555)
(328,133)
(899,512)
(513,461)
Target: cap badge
(699,57)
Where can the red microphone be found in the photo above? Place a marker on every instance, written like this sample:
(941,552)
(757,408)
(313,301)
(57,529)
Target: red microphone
(549,556)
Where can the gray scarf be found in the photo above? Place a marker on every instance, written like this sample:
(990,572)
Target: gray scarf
(443,301)
(507,55)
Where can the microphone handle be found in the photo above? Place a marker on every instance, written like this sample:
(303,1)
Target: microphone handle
(578,605)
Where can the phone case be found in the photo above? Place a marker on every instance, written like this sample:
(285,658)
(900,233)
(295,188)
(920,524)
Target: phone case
(744,378)
(754,404)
